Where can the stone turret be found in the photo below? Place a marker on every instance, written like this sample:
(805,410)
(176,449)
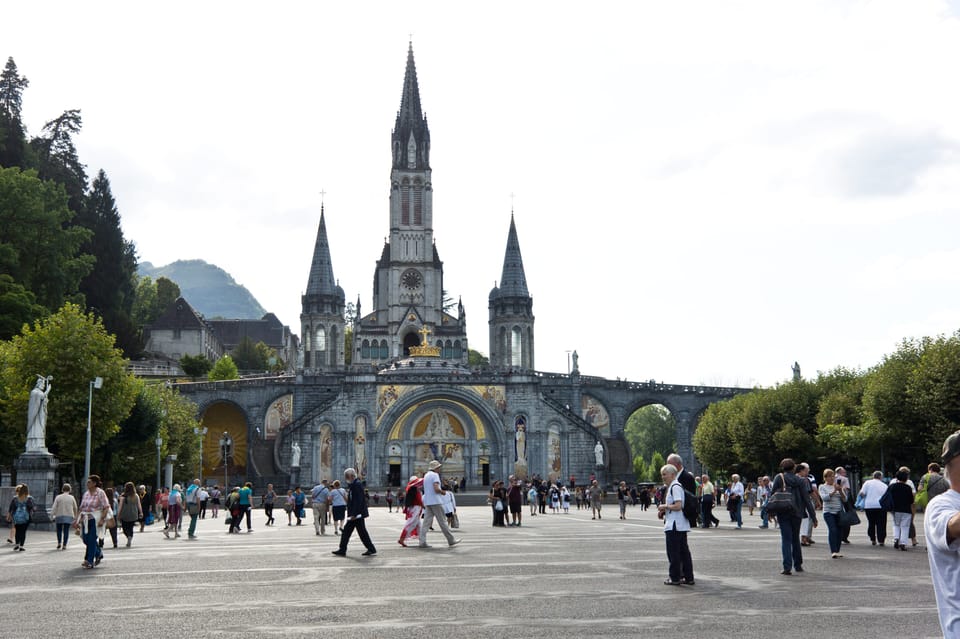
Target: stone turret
(322,307)
(511,311)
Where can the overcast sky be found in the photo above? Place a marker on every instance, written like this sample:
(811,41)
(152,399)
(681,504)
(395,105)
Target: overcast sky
(704,191)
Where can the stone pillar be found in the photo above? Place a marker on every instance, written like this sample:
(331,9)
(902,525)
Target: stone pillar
(38,471)
(685,426)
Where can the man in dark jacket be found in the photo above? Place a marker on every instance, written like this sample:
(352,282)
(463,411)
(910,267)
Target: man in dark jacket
(356,515)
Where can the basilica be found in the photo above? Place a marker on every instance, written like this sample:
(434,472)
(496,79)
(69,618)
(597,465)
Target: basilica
(409,394)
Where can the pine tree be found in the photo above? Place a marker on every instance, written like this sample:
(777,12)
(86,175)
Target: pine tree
(110,289)
(12,136)
(57,156)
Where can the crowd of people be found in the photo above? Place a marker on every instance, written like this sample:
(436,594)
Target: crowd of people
(789,501)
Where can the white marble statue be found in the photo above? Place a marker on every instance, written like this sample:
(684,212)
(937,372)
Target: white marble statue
(295,456)
(37,415)
(598,453)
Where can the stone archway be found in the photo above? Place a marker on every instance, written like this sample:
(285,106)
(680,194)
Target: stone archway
(221,417)
(454,426)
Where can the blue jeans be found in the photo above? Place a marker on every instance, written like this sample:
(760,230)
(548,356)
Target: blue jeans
(764,517)
(790,542)
(738,511)
(90,539)
(833,531)
(63,533)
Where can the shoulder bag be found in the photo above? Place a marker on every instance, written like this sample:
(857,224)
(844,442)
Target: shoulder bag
(782,502)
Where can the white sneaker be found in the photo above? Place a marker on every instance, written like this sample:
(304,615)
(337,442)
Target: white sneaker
(454,542)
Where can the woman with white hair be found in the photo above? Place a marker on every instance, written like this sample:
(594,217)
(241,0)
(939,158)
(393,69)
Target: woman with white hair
(675,526)
(871,491)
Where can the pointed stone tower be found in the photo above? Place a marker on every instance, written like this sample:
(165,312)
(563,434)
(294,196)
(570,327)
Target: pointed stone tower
(511,312)
(322,307)
(408,280)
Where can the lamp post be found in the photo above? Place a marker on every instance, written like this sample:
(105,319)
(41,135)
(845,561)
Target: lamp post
(159,444)
(202,432)
(225,444)
(94,383)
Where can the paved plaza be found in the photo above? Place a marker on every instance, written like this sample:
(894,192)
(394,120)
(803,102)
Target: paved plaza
(556,576)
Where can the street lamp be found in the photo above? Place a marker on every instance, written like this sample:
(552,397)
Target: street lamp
(203,433)
(159,444)
(95,383)
(225,443)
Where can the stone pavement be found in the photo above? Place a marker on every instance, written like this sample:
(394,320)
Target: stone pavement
(557,576)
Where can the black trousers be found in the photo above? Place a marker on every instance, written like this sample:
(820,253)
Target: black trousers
(876,524)
(678,554)
(361,527)
(706,507)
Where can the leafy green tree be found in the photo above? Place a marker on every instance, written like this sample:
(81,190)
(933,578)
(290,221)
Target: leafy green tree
(74,348)
(195,365)
(255,357)
(18,306)
(656,463)
(651,429)
(711,440)
(167,293)
(12,136)
(159,411)
(223,369)
(109,288)
(476,358)
(38,248)
(640,468)
(934,392)
(152,298)
(891,420)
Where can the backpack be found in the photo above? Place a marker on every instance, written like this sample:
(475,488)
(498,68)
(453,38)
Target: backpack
(21,515)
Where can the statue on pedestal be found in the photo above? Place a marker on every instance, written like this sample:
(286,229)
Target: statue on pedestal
(576,362)
(37,415)
(598,453)
(295,458)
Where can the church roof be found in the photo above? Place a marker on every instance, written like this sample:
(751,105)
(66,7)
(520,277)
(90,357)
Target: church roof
(513,280)
(321,281)
(179,315)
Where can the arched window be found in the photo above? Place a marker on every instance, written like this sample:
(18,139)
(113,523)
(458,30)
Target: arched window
(384,351)
(417,203)
(306,341)
(448,350)
(405,203)
(321,339)
(516,348)
(365,349)
(457,351)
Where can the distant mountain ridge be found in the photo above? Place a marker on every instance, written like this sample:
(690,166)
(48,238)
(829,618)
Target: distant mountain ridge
(210,290)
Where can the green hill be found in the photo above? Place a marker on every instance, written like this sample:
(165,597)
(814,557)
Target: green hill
(208,288)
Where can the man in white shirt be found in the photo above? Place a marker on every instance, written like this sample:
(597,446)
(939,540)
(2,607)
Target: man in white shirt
(942,527)
(433,494)
(736,489)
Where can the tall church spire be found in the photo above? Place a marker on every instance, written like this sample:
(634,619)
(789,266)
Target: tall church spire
(321,280)
(513,280)
(411,137)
